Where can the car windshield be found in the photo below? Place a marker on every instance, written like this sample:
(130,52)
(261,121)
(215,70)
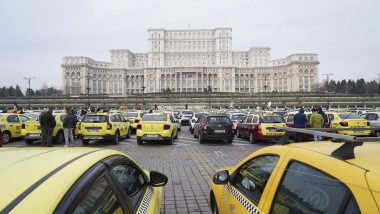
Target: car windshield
(130,114)
(349,116)
(154,118)
(272,119)
(94,119)
(237,117)
(218,120)
(187,112)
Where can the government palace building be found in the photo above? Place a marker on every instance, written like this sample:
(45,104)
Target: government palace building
(190,61)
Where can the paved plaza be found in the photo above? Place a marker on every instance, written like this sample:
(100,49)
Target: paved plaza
(188,164)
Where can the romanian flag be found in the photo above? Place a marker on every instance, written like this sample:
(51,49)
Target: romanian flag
(16,109)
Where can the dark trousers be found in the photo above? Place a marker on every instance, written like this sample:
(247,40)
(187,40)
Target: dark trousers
(49,136)
(299,135)
(43,137)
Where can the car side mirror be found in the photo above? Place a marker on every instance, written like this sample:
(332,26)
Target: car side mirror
(158,179)
(221,177)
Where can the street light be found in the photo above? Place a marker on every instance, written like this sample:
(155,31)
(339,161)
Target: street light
(88,90)
(29,78)
(143,89)
(328,88)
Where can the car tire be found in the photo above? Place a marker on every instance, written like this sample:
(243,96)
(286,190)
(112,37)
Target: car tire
(139,142)
(59,138)
(129,133)
(116,139)
(6,137)
(230,141)
(200,139)
(29,142)
(252,138)
(238,133)
(176,135)
(214,209)
(85,142)
(171,139)
(192,131)
(195,135)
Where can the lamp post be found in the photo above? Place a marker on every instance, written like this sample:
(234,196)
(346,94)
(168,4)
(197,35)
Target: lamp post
(29,78)
(209,91)
(143,89)
(328,88)
(88,90)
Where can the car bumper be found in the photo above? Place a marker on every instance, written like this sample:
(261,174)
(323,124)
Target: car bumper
(32,137)
(185,121)
(218,137)
(153,138)
(96,137)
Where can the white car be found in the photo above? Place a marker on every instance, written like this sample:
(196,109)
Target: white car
(192,121)
(236,118)
(185,116)
(173,115)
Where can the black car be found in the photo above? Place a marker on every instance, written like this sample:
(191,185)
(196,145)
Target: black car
(213,127)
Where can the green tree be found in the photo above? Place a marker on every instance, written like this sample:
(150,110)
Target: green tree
(18,91)
(11,92)
(360,86)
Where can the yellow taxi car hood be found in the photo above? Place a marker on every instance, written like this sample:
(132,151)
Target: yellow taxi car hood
(24,170)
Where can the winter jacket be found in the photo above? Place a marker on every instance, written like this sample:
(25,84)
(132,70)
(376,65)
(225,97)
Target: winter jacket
(68,122)
(316,120)
(320,111)
(300,119)
(47,120)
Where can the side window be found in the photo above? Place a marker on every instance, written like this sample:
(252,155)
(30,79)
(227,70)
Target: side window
(372,117)
(290,118)
(331,117)
(249,119)
(121,118)
(114,118)
(304,189)
(252,177)
(255,119)
(171,119)
(23,118)
(99,199)
(131,180)
(244,120)
(13,119)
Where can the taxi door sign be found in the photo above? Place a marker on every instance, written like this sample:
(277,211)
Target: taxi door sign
(17,127)
(231,207)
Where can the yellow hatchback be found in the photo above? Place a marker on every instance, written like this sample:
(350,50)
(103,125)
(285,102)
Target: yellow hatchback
(76,180)
(103,126)
(157,127)
(349,120)
(134,118)
(300,178)
(11,125)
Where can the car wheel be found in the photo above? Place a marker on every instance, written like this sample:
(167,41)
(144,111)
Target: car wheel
(215,209)
(59,138)
(230,141)
(170,141)
(85,142)
(192,131)
(116,139)
(139,142)
(252,138)
(6,137)
(176,135)
(201,141)
(29,142)
(238,133)
(129,133)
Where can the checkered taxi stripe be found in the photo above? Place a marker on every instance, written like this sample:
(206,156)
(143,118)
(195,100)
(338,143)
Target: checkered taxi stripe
(145,203)
(243,201)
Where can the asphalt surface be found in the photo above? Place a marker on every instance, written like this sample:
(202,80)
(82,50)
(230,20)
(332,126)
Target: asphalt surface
(188,165)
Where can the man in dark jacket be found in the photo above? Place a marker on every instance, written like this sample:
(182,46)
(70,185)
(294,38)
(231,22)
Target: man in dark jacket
(43,132)
(47,125)
(300,121)
(68,127)
(325,119)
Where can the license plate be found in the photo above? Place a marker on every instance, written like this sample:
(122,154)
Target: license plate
(92,130)
(34,135)
(220,131)
(152,135)
(272,130)
(358,131)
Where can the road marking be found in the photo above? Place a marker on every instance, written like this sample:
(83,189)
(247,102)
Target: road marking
(219,154)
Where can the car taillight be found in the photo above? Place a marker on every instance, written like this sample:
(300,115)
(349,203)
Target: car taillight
(137,120)
(79,126)
(205,126)
(343,123)
(234,121)
(109,126)
(23,126)
(166,126)
(368,123)
(138,126)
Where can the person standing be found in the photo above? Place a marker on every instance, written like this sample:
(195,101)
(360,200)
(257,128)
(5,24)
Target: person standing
(43,133)
(316,121)
(300,121)
(324,116)
(47,124)
(68,127)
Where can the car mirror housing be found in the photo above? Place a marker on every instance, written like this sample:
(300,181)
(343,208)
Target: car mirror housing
(221,177)
(158,179)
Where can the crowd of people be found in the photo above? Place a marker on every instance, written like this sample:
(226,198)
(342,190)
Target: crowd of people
(318,119)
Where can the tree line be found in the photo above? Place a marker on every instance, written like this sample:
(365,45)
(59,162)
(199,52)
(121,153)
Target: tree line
(16,91)
(359,86)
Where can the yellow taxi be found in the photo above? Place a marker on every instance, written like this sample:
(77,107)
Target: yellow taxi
(76,180)
(134,118)
(11,125)
(349,120)
(103,126)
(157,127)
(256,127)
(31,129)
(300,178)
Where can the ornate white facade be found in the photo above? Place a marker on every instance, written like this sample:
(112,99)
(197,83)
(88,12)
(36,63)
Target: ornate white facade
(190,61)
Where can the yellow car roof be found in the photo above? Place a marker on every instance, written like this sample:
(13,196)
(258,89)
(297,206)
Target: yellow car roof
(48,173)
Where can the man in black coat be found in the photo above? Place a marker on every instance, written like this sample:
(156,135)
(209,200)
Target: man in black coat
(47,124)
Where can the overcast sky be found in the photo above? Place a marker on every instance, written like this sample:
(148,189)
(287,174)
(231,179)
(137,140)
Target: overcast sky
(36,34)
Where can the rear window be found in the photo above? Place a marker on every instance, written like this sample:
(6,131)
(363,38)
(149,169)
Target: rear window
(34,117)
(130,115)
(94,119)
(349,116)
(237,117)
(154,118)
(187,112)
(274,119)
(218,120)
